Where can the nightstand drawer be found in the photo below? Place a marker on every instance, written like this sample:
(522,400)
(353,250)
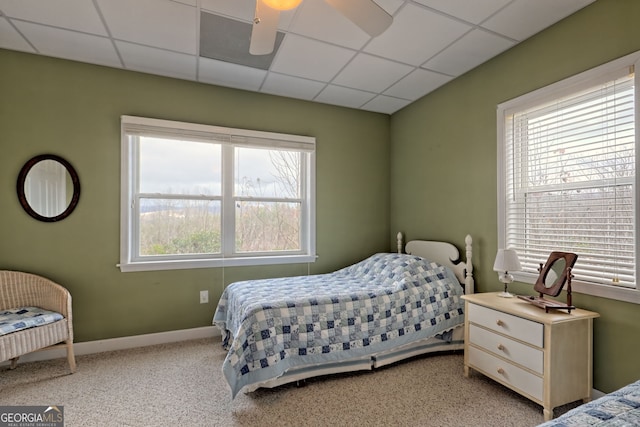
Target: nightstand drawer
(507,324)
(522,354)
(512,375)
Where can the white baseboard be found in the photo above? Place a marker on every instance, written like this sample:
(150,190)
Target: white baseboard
(122,343)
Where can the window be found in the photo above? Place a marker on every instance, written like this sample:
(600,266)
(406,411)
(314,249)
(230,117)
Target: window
(205,196)
(567,181)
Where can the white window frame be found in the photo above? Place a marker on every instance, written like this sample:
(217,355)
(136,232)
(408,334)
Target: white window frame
(555,91)
(232,138)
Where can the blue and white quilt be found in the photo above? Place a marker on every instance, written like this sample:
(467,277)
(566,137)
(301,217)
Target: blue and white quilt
(617,409)
(380,303)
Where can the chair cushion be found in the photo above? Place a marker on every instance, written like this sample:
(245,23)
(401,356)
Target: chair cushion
(17,319)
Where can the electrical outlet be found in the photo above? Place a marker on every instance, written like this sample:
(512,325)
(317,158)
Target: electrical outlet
(204,297)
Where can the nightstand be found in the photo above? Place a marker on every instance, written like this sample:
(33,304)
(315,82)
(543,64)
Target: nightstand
(546,357)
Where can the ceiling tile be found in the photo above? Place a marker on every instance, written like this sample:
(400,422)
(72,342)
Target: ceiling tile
(344,96)
(230,75)
(391,6)
(159,23)
(189,2)
(227,39)
(385,104)
(157,61)
(239,9)
(11,39)
(318,20)
(79,15)
(416,35)
(468,52)
(417,84)
(70,44)
(311,59)
(523,18)
(474,11)
(293,87)
(371,73)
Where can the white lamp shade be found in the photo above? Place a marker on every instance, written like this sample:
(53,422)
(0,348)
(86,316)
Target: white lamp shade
(506,260)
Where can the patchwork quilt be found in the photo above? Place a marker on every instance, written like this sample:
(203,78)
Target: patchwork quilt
(17,319)
(385,301)
(620,408)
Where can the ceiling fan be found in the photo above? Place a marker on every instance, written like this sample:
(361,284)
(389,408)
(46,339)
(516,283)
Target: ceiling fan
(366,14)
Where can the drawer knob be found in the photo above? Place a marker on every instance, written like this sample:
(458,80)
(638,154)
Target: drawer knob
(499,322)
(500,347)
(501,371)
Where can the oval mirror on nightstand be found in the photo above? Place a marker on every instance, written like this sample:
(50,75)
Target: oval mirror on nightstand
(48,188)
(553,276)
(555,273)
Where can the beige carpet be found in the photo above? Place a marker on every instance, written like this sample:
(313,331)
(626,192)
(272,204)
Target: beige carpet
(181,385)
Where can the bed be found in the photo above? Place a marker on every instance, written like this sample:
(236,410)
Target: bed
(619,408)
(386,308)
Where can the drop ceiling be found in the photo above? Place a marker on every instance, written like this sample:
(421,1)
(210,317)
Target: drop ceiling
(322,56)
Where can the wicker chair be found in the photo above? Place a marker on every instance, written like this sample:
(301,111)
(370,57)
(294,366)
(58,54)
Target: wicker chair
(19,289)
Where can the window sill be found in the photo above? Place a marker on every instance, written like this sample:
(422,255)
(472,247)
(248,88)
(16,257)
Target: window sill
(604,291)
(129,266)
(597,290)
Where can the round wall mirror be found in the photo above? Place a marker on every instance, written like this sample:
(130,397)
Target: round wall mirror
(48,188)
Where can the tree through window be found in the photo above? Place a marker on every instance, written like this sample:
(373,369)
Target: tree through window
(204,196)
(567,179)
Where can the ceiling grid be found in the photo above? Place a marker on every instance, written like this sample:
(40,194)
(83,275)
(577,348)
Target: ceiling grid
(323,56)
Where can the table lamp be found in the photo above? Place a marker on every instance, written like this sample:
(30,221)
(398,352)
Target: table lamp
(506,261)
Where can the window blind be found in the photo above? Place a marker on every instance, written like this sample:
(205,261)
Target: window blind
(570,180)
(167,129)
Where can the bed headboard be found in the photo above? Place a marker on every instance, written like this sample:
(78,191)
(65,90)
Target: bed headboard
(446,254)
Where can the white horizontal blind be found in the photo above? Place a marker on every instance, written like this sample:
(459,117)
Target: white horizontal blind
(167,129)
(570,181)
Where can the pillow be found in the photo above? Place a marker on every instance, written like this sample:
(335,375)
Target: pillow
(17,319)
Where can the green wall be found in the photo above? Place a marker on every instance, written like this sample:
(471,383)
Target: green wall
(73,110)
(444,150)
(441,184)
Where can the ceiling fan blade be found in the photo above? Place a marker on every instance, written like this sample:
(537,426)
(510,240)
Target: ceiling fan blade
(264,30)
(366,14)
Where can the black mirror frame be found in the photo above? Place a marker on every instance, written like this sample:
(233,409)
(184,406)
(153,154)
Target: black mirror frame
(22,176)
(556,288)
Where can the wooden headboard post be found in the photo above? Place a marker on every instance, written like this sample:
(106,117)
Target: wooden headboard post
(469,283)
(399,239)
